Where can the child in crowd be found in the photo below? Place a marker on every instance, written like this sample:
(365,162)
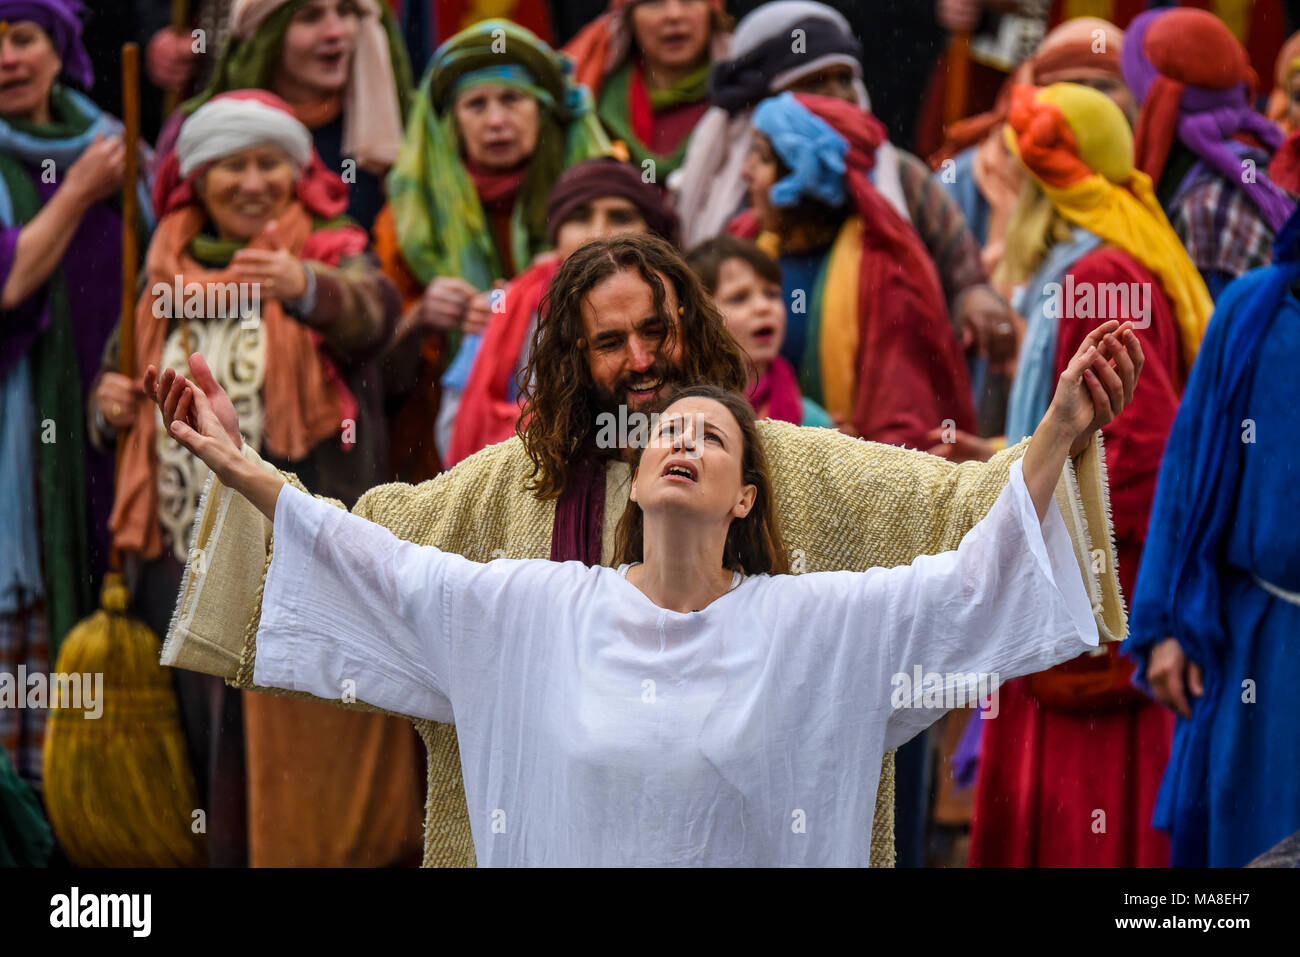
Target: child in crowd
(745,284)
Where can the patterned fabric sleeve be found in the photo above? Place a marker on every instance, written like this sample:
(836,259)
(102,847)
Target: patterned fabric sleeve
(942,227)
(356,307)
(1221,229)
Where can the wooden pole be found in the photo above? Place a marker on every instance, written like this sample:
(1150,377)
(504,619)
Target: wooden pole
(130,220)
(957,85)
(180,20)
(130,199)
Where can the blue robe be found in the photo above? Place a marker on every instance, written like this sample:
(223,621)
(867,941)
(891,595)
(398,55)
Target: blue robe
(961,186)
(1224,515)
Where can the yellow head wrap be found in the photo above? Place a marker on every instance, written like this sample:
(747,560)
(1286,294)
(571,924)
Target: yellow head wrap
(1077,144)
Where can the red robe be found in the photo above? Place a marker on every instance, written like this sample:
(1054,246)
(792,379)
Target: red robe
(1044,774)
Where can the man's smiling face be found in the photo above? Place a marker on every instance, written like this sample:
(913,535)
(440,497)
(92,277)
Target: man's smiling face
(630,355)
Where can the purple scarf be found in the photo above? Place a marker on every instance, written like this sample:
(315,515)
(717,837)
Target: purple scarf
(61,20)
(1203,119)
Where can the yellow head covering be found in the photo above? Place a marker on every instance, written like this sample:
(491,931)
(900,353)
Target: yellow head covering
(1078,146)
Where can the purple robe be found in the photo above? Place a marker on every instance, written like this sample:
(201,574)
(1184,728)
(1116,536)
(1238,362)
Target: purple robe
(92,269)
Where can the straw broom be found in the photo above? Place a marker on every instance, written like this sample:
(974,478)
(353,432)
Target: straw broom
(118,789)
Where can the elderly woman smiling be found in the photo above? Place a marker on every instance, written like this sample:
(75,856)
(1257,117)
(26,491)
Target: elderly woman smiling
(245,202)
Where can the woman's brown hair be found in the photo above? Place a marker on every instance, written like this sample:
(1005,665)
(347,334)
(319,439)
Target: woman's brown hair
(754,545)
(559,407)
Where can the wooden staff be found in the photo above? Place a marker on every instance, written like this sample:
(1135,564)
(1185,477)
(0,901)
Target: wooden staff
(130,199)
(955,90)
(180,20)
(130,220)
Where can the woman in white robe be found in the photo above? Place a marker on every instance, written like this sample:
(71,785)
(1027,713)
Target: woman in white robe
(696,706)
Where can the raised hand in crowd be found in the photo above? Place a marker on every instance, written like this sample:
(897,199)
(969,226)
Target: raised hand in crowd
(444,305)
(990,327)
(170,59)
(118,398)
(95,176)
(278,272)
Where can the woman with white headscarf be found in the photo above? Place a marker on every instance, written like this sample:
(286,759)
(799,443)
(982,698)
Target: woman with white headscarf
(254,265)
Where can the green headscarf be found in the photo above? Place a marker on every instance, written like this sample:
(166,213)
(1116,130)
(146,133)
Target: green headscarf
(614,112)
(440,224)
(250,64)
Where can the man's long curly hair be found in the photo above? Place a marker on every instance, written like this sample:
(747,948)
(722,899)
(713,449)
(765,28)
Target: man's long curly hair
(558,421)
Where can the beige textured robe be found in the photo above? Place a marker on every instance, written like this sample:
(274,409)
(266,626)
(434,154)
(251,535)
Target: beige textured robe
(843,504)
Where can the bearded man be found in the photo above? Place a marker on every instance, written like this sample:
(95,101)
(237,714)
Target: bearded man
(627,320)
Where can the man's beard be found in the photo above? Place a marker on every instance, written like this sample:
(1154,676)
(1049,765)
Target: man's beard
(610,401)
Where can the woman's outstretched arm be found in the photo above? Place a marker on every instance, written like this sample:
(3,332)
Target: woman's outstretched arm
(1009,600)
(349,612)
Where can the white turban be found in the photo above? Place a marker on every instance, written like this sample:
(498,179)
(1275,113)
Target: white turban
(226,125)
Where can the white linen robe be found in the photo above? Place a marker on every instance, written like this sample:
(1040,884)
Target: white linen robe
(597,728)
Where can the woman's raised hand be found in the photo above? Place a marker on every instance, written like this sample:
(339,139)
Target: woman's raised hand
(168,389)
(195,426)
(200,416)
(1095,387)
(1098,383)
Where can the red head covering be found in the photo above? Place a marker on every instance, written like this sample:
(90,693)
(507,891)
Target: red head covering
(1196,84)
(1170,51)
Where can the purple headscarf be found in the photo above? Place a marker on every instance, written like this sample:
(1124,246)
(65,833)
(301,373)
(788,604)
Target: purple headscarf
(1196,45)
(61,20)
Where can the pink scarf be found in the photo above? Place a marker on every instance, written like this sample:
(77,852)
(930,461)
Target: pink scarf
(777,389)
